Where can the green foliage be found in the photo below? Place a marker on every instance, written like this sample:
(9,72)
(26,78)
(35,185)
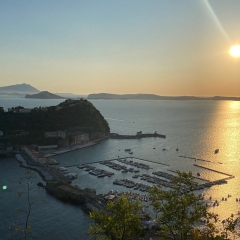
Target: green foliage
(120,221)
(229,227)
(70,115)
(178,209)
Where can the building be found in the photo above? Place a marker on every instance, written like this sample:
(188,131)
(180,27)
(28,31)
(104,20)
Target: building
(85,137)
(24,110)
(1,133)
(34,155)
(56,134)
(139,133)
(47,147)
(19,110)
(79,137)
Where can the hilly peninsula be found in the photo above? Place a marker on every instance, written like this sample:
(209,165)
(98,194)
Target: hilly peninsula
(155,97)
(27,126)
(44,95)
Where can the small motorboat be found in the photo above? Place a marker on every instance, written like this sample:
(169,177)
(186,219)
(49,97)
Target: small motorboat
(216,151)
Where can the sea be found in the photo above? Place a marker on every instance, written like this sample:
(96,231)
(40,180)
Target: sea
(196,128)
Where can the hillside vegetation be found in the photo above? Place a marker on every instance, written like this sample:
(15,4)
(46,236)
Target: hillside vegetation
(70,115)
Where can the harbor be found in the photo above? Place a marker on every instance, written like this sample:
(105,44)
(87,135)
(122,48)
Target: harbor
(133,173)
(136,174)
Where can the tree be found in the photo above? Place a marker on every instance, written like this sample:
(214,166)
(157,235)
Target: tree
(178,209)
(120,221)
(229,227)
(23,231)
(211,230)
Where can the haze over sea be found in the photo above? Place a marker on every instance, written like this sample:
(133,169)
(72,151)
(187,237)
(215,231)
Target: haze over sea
(197,128)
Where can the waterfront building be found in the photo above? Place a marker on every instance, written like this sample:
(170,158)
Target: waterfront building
(34,155)
(47,147)
(79,137)
(56,134)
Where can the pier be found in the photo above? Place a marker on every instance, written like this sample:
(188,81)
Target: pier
(114,159)
(213,170)
(202,179)
(199,159)
(137,136)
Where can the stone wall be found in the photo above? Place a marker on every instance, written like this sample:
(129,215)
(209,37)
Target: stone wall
(67,192)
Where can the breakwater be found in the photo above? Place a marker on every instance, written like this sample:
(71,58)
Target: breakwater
(213,170)
(199,159)
(137,136)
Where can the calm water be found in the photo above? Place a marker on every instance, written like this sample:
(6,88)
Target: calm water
(197,128)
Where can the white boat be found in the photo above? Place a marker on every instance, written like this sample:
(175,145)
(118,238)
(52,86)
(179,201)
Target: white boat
(71,176)
(63,169)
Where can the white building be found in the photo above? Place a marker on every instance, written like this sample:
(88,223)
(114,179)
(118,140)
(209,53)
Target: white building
(47,147)
(61,134)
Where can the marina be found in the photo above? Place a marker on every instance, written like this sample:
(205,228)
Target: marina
(137,174)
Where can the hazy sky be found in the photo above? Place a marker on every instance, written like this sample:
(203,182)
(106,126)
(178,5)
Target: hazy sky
(165,47)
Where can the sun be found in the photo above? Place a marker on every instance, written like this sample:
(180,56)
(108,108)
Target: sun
(235,51)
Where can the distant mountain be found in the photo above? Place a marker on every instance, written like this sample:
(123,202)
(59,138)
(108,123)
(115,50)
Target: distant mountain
(156,97)
(44,95)
(139,96)
(18,89)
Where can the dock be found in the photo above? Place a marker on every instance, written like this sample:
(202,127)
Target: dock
(213,170)
(114,159)
(202,179)
(137,136)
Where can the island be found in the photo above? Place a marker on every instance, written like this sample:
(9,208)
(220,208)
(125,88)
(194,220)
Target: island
(18,89)
(109,96)
(44,95)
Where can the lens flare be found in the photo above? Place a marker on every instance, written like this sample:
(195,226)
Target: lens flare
(216,20)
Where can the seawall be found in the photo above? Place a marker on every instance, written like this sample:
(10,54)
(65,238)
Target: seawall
(143,135)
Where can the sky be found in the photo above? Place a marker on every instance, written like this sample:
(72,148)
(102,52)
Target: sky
(163,47)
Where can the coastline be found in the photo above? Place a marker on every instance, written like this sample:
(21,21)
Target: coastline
(70,149)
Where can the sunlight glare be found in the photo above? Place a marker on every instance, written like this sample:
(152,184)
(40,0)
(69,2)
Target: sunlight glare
(234,105)
(235,51)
